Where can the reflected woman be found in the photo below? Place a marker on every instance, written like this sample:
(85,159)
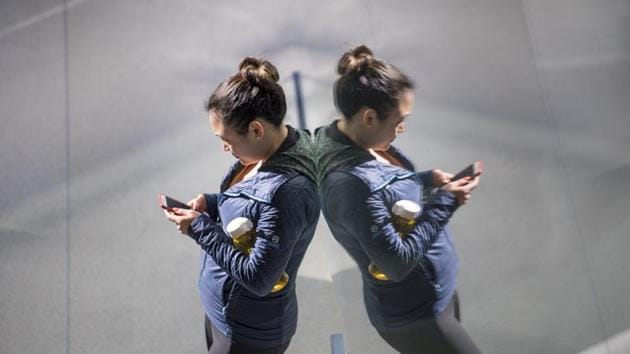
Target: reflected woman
(408,276)
(247,285)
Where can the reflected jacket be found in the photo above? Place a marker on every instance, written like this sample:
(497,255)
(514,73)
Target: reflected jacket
(281,201)
(357,194)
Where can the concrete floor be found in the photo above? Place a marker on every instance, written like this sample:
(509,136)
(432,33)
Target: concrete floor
(101,109)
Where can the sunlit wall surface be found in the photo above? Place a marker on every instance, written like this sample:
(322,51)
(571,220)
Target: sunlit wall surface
(101,105)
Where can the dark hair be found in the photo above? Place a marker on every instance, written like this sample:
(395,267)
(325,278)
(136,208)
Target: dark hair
(368,82)
(252,92)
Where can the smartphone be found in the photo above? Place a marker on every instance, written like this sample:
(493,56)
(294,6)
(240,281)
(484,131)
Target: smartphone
(169,203)
(473,170)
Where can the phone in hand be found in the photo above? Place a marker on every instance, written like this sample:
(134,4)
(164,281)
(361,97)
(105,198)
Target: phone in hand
(472,170)
(166,202)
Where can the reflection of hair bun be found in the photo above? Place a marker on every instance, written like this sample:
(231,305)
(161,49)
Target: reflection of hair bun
(256,71)
(357,59)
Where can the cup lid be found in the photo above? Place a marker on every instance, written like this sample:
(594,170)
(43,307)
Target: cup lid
(239,226)
(406,209)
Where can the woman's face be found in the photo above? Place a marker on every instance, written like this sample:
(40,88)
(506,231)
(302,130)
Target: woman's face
(245,147)
(385,131)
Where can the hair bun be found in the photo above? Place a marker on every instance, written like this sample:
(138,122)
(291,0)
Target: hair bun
(257,71)
(357,59)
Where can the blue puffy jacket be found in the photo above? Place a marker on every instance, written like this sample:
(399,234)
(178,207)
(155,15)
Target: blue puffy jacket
(282,202)
(357,194)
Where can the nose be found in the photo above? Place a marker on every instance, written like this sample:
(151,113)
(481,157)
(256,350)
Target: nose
(226,147)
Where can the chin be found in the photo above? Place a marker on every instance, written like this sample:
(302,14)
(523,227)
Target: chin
(389,144)
(246,161)
(384,147)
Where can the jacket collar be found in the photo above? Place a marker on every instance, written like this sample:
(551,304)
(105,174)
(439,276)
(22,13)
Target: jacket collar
(336,135)
(264,183)
(375,175)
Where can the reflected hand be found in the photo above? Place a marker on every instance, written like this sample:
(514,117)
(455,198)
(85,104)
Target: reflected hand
(182,218)
(462,188)
(440,178)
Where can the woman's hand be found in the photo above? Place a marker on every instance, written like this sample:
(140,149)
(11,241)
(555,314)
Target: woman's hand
(462,188)
(440,178)
(198,203)
(182,218)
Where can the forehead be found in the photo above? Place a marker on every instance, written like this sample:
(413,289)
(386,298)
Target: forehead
(406,103)
(216,122)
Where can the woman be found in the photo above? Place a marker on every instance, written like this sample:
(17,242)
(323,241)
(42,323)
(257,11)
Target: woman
(273,186)
(361,177)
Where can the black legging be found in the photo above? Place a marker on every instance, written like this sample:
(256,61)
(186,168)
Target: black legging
(442,334)
(218,343)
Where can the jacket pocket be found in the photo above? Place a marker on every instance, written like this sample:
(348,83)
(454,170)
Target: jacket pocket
(212,283)
(440,264)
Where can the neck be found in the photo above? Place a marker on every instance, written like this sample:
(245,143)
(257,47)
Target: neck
(350,130)
(277,138)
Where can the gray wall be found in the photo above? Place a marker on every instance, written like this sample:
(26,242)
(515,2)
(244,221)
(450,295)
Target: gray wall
(101,109)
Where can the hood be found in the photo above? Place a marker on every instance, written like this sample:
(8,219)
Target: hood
(300,157)
(332,154)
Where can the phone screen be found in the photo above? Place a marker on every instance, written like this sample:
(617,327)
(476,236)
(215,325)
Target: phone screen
(169,203)
(471,170)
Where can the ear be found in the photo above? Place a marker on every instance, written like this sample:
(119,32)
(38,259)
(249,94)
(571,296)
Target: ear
(369,117)
(257,128)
